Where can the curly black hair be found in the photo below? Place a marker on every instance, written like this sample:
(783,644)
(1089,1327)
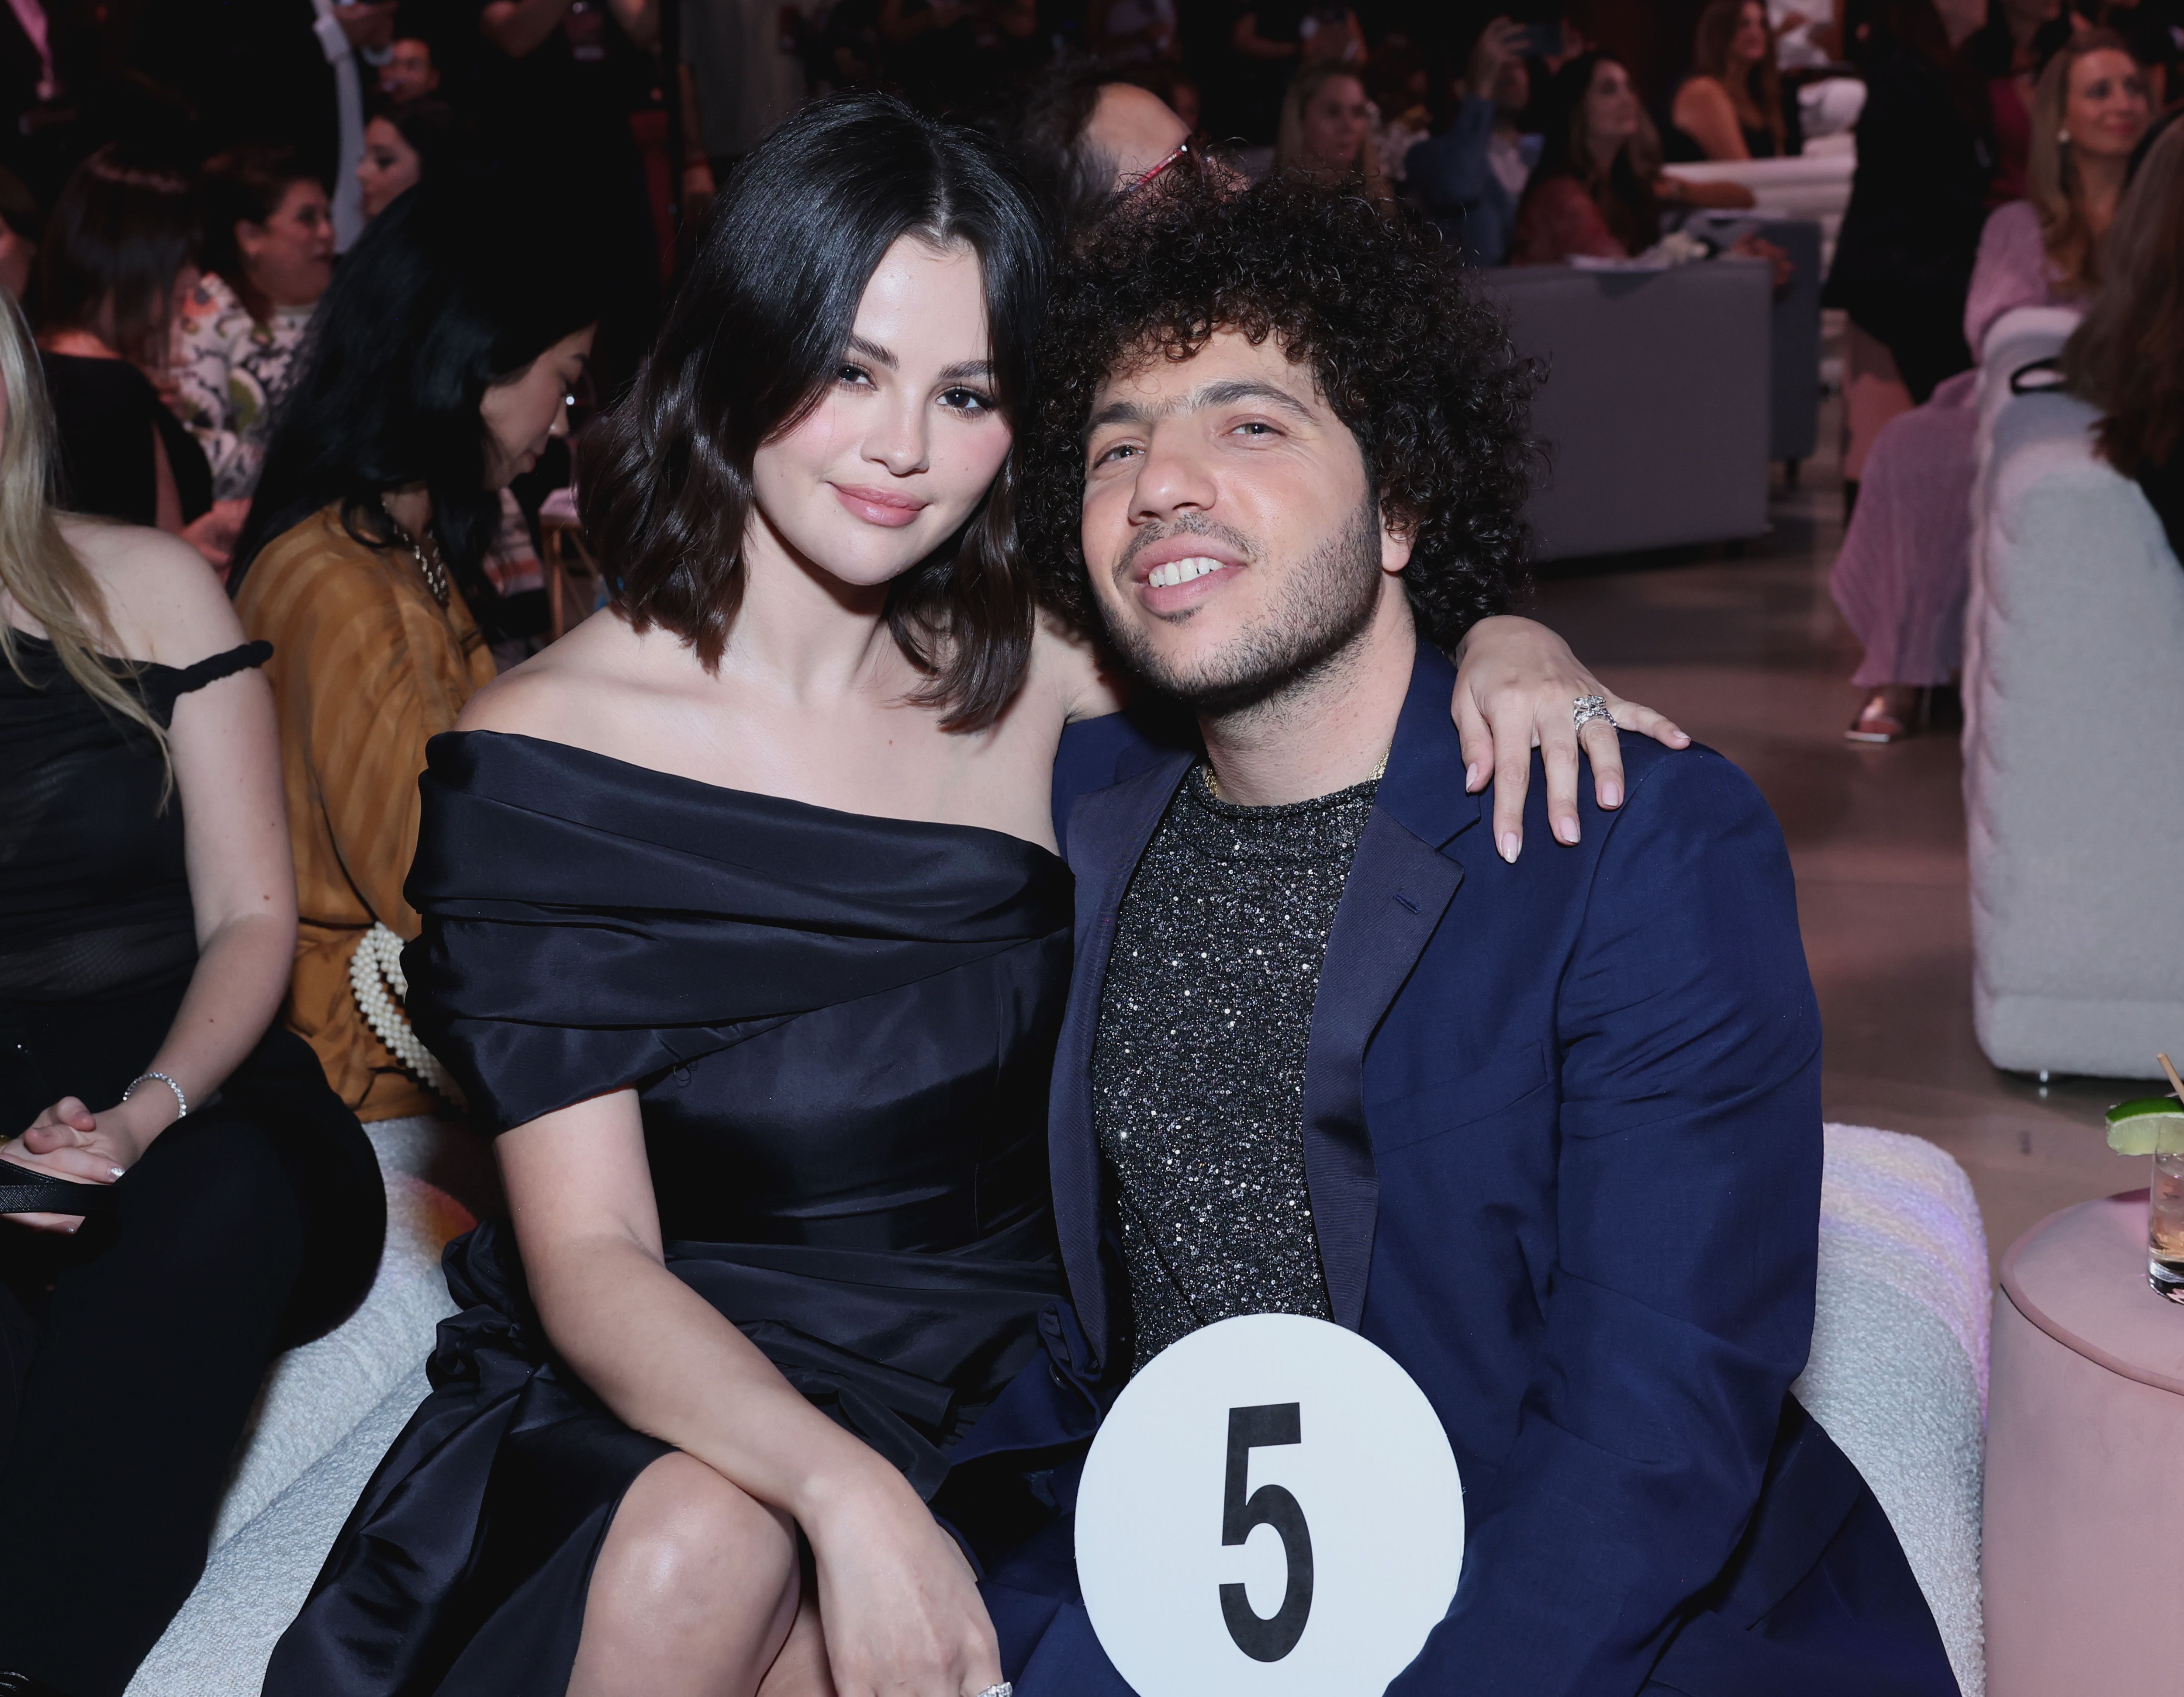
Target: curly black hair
(1406,352)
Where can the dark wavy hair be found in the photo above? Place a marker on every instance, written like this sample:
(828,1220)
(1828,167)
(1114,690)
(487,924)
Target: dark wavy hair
(429,127)
(2127,355)
(457,286)
(760,327)
(1403,348)
(124,227)
(1621,187)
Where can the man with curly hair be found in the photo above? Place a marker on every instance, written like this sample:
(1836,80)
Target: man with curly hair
(1546,1128)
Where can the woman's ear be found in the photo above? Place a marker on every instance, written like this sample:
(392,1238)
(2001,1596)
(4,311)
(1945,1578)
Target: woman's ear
(249,238)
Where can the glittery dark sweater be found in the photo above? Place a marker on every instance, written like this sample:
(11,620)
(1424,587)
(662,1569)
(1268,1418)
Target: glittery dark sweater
(1198,1063)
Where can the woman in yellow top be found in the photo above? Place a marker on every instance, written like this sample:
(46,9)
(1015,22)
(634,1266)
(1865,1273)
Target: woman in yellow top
(442,362)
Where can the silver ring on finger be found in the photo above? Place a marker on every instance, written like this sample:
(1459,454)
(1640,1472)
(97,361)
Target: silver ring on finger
(1004,1689)
(1587,708)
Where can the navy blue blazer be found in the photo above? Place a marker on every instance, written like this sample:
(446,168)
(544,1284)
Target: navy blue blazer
(1562,1129)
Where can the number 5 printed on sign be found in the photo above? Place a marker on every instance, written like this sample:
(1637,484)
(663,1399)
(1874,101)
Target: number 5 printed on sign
(1270,1424)
(1270,1505)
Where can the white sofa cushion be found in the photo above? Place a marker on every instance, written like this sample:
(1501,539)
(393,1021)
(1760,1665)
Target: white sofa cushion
(2074,696)
(1898,1372)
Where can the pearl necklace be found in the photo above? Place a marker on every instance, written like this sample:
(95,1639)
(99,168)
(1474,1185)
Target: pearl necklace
(435,574)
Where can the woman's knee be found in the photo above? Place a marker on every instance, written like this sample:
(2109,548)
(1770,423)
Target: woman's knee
(684,1541)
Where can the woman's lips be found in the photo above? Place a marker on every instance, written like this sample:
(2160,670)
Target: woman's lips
(879,507)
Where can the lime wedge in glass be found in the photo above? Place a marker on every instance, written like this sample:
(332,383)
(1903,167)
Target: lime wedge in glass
(2151,1123)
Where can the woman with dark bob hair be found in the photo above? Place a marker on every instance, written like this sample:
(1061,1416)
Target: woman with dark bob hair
(744,931)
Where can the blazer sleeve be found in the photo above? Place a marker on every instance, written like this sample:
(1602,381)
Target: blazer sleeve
(1687,1210)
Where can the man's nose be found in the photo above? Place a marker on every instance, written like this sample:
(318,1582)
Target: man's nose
(1173,477)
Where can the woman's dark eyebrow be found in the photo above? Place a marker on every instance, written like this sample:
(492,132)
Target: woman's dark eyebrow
(954,374)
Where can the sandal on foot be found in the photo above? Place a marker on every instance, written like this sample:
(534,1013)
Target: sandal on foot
(1877,723)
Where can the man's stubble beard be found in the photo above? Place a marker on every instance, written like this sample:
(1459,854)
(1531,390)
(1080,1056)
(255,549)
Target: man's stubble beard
(1309,634)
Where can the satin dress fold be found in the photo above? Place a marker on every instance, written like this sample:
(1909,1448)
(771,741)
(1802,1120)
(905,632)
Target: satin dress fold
(840,1030)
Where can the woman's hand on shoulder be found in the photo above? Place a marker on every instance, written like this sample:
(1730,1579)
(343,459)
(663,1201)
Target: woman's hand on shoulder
(898,1603)
(1517,687)
(165,603)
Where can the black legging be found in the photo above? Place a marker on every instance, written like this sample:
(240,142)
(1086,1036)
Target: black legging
(129,1357)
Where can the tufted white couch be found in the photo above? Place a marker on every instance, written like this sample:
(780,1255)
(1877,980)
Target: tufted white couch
(2074,720)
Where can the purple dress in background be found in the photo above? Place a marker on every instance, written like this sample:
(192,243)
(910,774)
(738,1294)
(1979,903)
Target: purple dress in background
(1905,568)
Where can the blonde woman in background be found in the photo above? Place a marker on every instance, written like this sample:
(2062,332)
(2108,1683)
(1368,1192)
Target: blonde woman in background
(1328,122)
(1905,568)
(183,1195)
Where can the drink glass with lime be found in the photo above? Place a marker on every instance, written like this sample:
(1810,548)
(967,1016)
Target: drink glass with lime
(2155,1126)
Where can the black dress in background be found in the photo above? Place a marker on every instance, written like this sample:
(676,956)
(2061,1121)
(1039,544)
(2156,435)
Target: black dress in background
(1903,260)
(840,1029)
(130,1354)
(104,414)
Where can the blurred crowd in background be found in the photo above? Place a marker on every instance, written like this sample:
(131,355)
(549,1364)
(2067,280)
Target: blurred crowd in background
(178,179)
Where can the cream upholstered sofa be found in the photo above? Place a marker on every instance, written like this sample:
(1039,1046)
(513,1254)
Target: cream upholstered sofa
(2074,724)
(1898,1371)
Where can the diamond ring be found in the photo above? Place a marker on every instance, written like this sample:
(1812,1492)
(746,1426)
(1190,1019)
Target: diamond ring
(1004,1689)
(1583,712)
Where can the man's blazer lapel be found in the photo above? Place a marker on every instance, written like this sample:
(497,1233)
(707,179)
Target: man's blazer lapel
(1399,889)
(1107,836)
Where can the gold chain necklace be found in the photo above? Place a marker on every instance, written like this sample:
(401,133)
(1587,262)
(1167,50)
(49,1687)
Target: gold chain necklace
(435,574)
(1213,783)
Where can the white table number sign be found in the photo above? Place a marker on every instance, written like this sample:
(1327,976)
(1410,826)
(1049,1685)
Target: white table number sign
(1271,1509)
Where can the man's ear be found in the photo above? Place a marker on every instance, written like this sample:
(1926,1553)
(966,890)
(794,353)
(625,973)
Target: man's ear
(1397,537)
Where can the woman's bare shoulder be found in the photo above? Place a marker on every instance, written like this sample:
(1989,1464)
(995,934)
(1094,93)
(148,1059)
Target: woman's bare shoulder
(164,602)
(579,690)
(1702,96)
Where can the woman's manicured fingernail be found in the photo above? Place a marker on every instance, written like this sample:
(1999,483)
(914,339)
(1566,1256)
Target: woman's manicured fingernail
(115,1172)
(1471,777)
(1609,794)
(1510,843)
(1566,828)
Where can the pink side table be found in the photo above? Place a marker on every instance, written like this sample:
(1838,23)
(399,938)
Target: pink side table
(2084,1463)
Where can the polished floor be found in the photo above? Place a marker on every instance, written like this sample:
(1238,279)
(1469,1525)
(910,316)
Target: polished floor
(1747,652)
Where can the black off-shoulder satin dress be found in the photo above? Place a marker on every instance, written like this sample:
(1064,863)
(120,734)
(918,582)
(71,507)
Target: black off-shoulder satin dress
(840,1029)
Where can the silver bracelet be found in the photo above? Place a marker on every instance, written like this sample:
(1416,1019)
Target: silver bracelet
(180,1101)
